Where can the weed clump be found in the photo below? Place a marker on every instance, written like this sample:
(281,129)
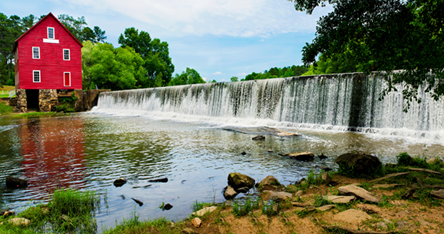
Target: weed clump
(5,109)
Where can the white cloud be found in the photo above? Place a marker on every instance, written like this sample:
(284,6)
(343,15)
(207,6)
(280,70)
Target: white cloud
(217,73)
(245,18)
(205,79)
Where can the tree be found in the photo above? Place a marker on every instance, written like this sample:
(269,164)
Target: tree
(75,26)
(111,68)
(10,30)
(382,35)
(234,79)
(189,76)
(96,35)
(155,54)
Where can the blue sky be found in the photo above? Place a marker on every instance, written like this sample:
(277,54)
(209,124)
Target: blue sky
(218,38)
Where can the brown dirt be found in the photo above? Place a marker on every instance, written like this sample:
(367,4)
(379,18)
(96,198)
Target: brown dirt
(423,219)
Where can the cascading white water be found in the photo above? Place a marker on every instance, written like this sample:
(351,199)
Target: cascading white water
(339,102)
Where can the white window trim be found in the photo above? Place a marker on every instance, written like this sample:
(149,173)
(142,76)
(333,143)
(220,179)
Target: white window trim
(33,52)
(69,79)
(53,33)
(69,54)
(40,76)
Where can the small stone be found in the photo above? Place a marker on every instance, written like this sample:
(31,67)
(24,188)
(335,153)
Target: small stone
(358,192)
(162,180)
(299,193)
(65,218)
(438,193)
(326,177)
(340,199)
(302,156)
(172,224)
(243,153)
(326,207)
(188,231)
(243,190)
(434,161)
(404,225)
(8,213)
(275,196)
(258,138)
(352,216)
(382,225)
(196,222)
(229,192)
(275,208)
(205,210)
(322,157)
(19,221)
(119,182)
(270,151)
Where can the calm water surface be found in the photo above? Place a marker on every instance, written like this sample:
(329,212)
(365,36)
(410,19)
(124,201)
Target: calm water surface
(89,151)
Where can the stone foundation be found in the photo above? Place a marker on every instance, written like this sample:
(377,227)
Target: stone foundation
(22,104)
(48,100)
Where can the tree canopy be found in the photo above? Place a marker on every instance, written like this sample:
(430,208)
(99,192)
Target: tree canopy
(155,53)
(189,76)
(276,72)
(381,35)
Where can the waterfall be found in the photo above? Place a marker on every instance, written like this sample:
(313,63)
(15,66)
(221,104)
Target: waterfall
(339,102)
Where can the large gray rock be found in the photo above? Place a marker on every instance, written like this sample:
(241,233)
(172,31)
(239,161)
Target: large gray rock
(358,192)
(16,182)
(270,183)
(302,156)
(360,163)
(238,180)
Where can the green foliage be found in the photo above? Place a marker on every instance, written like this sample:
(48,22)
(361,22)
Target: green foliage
(155,54)
(234,79)
(190,76)
(33,114)
(404,159)
(5,109)
(199,205)
(381,35)
(267,208)
(320,201)
(68,104)
(111,68)
(277,73)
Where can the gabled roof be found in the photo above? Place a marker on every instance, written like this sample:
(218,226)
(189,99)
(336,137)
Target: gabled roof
(44,18)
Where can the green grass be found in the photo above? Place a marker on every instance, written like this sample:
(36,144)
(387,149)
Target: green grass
(134,225)
(5,109)
(76,207)
(199,205)
(35,114)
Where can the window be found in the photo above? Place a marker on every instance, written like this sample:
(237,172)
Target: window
(50,33)
(66,55)
(36,52)
(67,78)
(36,76)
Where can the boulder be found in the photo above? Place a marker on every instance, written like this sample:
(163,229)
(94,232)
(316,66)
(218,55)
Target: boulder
(16,182)
(196,222)
(360,163)
(302,156)
(238,180)
(438,193)
(352,216)
(339,199)
(205,210)
(120,182)
(275,196)
(358,192)
(229,192)
(270,183)
(258,138)
(19,221)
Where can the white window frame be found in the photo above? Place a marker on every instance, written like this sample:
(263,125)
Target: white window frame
(35,47)
(53,33)
(40,76)
(69,54)
(69,79)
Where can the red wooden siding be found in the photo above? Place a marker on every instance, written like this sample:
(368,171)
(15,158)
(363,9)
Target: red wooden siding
(51,64)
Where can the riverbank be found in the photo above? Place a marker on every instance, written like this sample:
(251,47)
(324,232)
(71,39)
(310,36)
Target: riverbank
(402,198)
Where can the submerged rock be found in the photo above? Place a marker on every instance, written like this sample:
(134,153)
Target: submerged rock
(120,182)
(16,182)
(163,180)
(258,138)
(359,163)
(302,156)
(138,201)
(238,180)
(167,206)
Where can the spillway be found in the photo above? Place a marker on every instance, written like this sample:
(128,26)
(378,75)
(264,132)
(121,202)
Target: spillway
(341,102)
